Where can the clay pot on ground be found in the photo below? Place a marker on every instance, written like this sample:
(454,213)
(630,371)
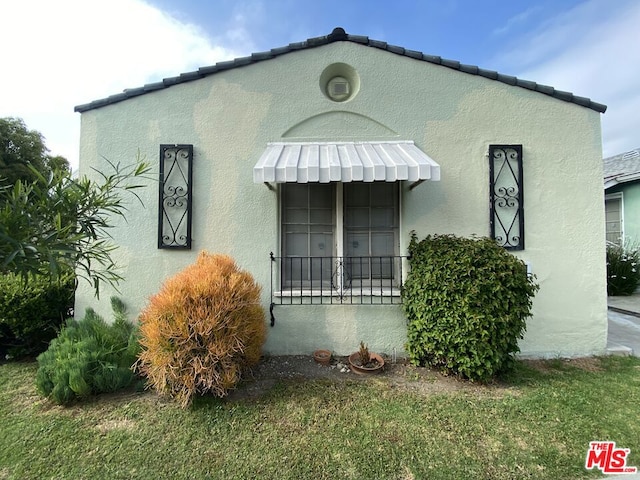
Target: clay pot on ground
(323,357)
(375,364)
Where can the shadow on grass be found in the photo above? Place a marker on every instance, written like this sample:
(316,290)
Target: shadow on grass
(532,373)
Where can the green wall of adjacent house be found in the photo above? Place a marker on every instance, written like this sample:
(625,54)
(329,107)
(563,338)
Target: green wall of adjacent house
(630,210)
(229,118)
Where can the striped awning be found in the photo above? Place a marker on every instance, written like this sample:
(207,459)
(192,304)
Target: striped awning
(324,162)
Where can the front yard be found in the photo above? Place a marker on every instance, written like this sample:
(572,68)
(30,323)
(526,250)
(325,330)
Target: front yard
(537,423)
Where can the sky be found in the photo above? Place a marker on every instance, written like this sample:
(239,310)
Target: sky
(57,54)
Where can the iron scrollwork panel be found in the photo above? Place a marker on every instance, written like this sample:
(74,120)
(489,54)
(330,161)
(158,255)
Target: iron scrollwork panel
(174,222)
(506,196)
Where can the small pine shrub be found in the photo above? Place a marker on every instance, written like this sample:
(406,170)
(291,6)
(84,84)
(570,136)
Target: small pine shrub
(201,330)
(467,301)
(32,311)
(89,357)
(623,269)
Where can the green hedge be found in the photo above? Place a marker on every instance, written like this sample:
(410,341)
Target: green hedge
(89,357)
(467,302)
(32,311)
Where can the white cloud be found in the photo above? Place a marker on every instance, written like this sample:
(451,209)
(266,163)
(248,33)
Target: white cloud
(246,17)
(60,54)
(515,21)
(592,51)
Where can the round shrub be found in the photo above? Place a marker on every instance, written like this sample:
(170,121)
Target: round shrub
(203,328)
(32,311)
(623,269)
(467,301)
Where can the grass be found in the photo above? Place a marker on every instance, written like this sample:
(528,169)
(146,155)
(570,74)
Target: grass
(536,424)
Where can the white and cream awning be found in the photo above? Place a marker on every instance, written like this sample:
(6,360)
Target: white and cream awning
(324,162)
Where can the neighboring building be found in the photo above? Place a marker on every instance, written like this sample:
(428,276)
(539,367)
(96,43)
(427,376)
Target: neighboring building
(311,164)
(622,197)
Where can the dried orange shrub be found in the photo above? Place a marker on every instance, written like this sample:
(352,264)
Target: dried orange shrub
(201,330)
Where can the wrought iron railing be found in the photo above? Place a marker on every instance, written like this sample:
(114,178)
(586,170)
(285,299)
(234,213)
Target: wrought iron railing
(336,280)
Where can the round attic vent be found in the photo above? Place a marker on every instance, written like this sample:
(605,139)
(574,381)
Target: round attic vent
(339,82)
(338,89)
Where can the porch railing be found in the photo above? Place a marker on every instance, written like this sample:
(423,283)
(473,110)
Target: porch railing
(336,280)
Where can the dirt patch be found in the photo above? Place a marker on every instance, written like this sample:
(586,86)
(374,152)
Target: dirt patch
(301,368)
(588,364)
(118,424)
(297,369)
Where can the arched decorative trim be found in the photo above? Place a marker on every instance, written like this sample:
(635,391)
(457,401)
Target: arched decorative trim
(339,125)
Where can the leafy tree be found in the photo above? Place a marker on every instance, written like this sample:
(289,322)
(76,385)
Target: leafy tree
(57,223)
(23,150)
(57,163)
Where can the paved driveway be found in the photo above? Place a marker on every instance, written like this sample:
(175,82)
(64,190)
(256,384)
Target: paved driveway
(624,323)
(624,330)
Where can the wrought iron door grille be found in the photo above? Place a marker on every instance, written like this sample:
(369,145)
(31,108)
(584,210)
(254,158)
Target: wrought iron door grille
(174,212)
(506,196)
(336,280)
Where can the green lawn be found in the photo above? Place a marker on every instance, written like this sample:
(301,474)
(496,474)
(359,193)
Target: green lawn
(537,424)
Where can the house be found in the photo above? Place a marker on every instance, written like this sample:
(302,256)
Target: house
(622,197)
(311,164)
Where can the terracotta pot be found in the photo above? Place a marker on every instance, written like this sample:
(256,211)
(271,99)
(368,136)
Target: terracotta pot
(323,357)
(354,359)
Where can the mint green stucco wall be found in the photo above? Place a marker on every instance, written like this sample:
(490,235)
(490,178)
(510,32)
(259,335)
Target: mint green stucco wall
(229,117)
(630,210)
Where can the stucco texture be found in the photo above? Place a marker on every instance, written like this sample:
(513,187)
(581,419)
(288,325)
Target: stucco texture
(230,116)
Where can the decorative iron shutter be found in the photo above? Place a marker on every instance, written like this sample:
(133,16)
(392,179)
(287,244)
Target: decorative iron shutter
(506,196)
(175,196)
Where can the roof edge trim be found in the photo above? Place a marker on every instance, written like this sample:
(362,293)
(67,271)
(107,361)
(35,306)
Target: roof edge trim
(339,35)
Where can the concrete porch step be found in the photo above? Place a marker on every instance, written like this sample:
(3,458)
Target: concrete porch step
(620,351)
